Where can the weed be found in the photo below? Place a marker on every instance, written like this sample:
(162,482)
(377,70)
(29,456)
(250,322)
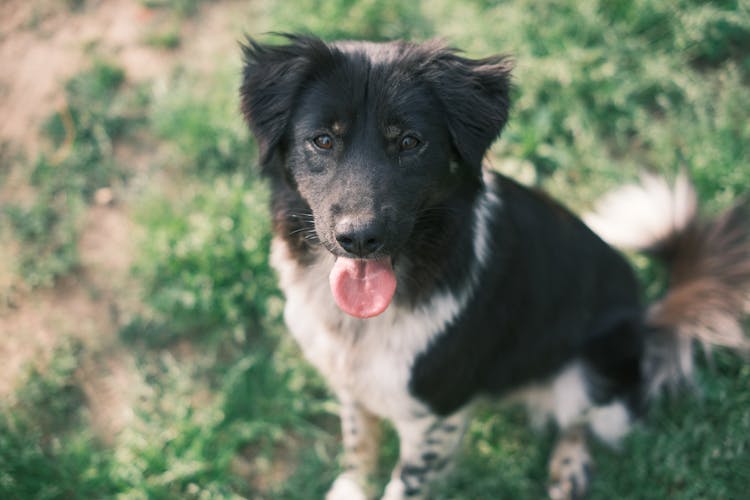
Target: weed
(96,114)
(206,131)
(165,39)
(204,263)
(47,233)
(45,450)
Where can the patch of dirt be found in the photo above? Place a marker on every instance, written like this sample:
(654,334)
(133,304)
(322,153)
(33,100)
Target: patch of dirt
(43,43)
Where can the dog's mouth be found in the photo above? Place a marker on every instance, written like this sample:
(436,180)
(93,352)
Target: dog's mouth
(363,288)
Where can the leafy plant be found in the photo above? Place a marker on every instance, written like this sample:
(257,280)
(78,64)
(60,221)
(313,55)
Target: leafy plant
(206,132)
(205,262)
(45,450)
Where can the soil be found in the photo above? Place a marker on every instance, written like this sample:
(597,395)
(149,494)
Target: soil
(42,44)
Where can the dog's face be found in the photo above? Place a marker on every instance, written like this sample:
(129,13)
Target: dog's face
(371,136)
(366,154)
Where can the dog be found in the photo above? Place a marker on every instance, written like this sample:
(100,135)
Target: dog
(418,281)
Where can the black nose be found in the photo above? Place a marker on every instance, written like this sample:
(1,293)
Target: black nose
(360,238)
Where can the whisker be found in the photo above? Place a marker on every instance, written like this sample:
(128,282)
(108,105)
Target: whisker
(300,230)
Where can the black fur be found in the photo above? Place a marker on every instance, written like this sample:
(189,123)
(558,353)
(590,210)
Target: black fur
(459,104)
(554,290)
(385,142)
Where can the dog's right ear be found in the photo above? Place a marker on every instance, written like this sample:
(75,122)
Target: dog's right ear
(272,78)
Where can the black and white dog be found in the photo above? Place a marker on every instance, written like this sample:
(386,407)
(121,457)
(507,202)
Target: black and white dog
(417,282)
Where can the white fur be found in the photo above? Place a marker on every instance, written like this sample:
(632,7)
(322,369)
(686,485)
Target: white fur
(638,216)
(569,394)
(486,206)
(610,423)
(370,358)
(566,399)
(395,490)
(369,361)
(563,397)
(346,487)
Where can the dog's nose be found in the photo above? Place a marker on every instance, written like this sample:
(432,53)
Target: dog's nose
(360,238)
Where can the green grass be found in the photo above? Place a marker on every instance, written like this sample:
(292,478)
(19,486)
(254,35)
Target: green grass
(167,38)
(603,90)
(351,19)
(204,264)
(184,8)
(46,451)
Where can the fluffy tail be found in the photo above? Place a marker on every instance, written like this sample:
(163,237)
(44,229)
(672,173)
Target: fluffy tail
(708,260)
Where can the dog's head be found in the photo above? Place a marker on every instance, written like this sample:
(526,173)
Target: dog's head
(370,136)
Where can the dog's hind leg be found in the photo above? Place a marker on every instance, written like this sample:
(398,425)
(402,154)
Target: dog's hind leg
(578,416)
(570,464)
(570,461)
(427,446)
(361,436)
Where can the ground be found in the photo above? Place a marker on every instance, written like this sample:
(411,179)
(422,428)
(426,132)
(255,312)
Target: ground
(43,43)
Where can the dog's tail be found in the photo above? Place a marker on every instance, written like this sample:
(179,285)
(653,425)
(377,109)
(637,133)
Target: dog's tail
(708,261)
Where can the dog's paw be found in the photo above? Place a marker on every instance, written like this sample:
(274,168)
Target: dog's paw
(569,471)
(394,490)
(347,487)
(397,490)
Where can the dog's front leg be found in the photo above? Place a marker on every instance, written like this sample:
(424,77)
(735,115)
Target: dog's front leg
(361,436)
(427,447)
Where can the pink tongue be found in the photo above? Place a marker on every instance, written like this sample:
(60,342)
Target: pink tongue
(362,288)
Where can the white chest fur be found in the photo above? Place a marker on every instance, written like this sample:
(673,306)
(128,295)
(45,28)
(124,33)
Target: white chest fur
(369,360)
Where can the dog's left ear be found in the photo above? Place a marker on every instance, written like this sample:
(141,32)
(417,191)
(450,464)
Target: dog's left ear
(476,96)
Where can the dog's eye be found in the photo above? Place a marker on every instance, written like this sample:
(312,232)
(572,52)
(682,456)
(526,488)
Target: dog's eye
(323,141)
(408,142)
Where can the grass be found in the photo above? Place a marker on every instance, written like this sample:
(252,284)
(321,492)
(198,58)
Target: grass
(96,113)
(45,449)
(690,447)
(227,407)
(168,15)
(184,8)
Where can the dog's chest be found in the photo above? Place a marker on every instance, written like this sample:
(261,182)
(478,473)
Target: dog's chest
(369,360)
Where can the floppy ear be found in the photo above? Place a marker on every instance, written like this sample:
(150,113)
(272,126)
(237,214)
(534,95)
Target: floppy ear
(272,77)
(476,96)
